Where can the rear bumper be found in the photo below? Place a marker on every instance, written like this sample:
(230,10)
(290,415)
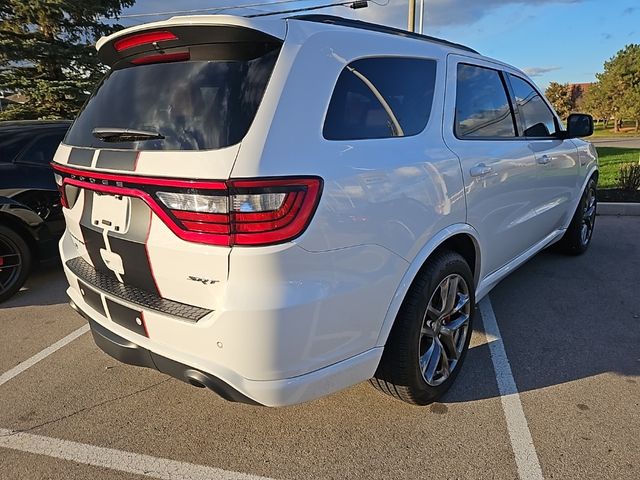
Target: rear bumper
(271,393)
(128,352)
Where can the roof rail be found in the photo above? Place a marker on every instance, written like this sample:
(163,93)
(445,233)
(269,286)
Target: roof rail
(346,22)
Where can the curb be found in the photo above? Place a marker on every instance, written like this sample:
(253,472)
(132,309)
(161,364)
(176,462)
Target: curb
(618,208)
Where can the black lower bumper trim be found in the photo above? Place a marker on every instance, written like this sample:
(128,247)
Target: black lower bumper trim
(133,354)
(108,283)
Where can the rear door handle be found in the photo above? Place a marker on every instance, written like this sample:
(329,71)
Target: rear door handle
(544,159)
(480,170)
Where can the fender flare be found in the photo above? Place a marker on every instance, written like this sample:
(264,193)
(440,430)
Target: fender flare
(415,266)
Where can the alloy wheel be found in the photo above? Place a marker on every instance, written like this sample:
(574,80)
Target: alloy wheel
(10,263)
(444,331)
(588,215)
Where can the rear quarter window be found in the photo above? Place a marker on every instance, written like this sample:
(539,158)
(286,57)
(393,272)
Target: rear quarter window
(380,98)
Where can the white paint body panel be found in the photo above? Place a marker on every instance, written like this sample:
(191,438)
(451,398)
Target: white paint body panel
(296,321)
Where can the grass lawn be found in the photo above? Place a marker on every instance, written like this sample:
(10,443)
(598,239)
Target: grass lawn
(628,130)
(610,161)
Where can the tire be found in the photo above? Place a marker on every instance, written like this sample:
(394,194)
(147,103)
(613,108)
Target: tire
(15,262)
(577,238)
(406,354)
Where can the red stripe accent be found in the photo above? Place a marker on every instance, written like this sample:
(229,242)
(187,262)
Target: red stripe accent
(146,251)
(144,324)
(156,181)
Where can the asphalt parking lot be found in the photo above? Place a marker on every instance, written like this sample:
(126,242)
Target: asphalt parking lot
(570,328)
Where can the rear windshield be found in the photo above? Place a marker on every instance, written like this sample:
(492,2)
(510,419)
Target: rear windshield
(194,105)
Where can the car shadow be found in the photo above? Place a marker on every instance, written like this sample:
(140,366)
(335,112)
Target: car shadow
(46,285)
(565,318)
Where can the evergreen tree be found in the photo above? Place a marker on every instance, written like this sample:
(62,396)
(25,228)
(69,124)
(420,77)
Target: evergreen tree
(47,53)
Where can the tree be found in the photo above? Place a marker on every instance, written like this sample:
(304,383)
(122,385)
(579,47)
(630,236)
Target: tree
(47,53)
(598,103)
(620,85)
(561,98)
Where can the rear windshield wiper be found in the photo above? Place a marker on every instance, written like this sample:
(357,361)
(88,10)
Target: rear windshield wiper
(111,134)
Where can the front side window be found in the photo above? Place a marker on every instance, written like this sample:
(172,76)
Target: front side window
(482,104)
(535,114)
(381,98)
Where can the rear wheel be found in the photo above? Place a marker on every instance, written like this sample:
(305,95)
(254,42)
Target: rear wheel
(15,262)
(578,236)
(431,334)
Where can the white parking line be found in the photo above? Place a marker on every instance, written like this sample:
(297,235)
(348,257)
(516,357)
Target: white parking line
(521,441)
(30,362)
(135,463)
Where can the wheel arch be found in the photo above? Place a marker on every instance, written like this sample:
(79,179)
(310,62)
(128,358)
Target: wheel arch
(21,228)
(461,238)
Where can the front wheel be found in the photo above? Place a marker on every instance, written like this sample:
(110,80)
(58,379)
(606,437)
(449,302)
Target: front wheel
(577,238)
(15,262)
(431,334)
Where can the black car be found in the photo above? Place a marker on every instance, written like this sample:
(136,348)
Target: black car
(31,219)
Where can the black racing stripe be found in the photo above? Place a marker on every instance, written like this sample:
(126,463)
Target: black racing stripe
(92,298)
(81,157)
(94,242)
(126,317)
(137,269)
(117,160)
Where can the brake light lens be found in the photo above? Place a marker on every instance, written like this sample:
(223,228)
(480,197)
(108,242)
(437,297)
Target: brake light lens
(237,212)
(162,58)
(142,39)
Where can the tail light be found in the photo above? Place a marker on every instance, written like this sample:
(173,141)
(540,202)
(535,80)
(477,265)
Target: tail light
(236,212)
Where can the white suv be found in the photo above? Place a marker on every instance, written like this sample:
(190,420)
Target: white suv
(277,209)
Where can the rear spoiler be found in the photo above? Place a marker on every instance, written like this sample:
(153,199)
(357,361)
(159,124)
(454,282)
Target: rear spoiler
(175,39)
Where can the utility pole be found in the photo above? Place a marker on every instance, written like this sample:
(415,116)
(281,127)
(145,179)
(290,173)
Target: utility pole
(421,17)
(411,26)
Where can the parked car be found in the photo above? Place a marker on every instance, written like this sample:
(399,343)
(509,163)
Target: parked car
(31,220)
(279,209)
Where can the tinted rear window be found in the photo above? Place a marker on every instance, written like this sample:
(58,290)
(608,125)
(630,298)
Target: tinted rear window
(195,105)
(374,95)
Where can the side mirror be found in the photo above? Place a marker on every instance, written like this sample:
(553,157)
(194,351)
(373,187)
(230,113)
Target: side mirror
(579,125)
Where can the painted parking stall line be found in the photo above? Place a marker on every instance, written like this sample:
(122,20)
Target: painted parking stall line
(30,362)
(113,459)
(519,434)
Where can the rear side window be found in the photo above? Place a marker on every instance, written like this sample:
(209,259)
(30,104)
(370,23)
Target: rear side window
(482,105)
(195,105)
(380,98)
(535,114)
(42,150)
(11,144)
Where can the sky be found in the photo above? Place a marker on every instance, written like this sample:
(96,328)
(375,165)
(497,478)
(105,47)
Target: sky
(565,41)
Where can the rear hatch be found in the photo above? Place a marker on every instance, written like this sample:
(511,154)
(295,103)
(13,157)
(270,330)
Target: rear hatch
(144,169)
